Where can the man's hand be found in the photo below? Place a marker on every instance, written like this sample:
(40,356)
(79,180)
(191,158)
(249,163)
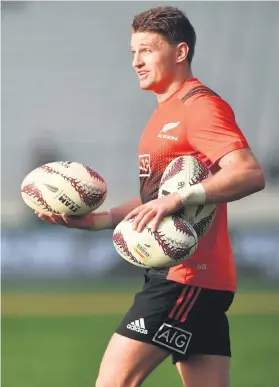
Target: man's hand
(91,221)
(155,209)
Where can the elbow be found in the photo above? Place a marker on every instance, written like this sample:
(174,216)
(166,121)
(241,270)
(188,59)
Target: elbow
(259,180)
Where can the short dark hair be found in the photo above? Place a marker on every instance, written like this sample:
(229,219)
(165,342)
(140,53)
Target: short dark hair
(171,23)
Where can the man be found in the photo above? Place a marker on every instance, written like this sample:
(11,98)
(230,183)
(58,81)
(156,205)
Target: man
(182,311)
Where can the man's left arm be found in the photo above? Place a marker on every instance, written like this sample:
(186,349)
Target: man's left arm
(240,175)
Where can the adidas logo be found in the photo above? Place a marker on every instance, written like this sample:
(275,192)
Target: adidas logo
(138,326)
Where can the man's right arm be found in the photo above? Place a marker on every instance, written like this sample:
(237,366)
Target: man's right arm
(119,213)
(110,219)
(94,221)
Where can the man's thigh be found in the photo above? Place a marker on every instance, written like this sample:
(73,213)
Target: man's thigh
(127,362)
(205,370)
(183,320)
(168,318)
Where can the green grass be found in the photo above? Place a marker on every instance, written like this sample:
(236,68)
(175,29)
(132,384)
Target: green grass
(66,351)
(74,285)
(107,285)
(255,348)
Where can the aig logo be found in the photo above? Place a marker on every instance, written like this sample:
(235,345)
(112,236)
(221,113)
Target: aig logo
(144,165)
(173,338)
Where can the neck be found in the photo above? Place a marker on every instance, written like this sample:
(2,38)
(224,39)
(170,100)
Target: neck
(173,86)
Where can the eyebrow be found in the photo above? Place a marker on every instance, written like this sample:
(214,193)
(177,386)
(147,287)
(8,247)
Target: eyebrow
(145,45)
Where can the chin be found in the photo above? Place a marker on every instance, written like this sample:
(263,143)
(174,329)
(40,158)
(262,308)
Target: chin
(147,86)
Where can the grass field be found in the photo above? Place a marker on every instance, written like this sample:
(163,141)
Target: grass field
(57,338)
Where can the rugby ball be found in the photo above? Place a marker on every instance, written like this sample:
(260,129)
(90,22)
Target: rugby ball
(63,187)
(172,243)
(185,171)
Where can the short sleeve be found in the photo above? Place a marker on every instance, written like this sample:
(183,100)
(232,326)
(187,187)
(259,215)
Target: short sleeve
(212,129)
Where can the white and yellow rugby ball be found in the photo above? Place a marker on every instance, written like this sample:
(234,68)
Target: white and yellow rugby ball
(63,187)
(174,242)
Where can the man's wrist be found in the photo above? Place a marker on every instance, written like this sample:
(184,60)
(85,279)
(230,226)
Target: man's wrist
(101,221)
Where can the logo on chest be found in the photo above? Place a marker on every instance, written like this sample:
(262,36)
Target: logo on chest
(167,128)
(144,165)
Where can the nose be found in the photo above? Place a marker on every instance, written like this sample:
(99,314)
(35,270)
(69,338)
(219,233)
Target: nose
(137,61)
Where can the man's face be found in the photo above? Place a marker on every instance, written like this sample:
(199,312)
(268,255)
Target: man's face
(154,60)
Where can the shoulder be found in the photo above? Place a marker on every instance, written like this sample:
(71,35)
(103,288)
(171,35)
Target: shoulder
(199,91)
(203,100)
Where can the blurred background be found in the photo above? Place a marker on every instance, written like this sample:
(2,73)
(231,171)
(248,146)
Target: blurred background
(69,93)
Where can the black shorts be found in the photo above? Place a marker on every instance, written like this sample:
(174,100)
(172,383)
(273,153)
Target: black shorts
(184,320)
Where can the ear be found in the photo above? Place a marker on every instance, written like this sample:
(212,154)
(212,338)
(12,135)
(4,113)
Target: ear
(181,52)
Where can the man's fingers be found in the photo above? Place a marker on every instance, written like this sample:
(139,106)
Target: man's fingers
(146,219)
(133,213)
(139,217)
(45,218)
(157,221)
(51,218)
(65,218)
(58,220)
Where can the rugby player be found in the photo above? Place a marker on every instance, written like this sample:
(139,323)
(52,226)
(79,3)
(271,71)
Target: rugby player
(181,311)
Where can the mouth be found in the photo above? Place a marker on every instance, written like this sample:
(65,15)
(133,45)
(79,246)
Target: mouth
(142,74)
